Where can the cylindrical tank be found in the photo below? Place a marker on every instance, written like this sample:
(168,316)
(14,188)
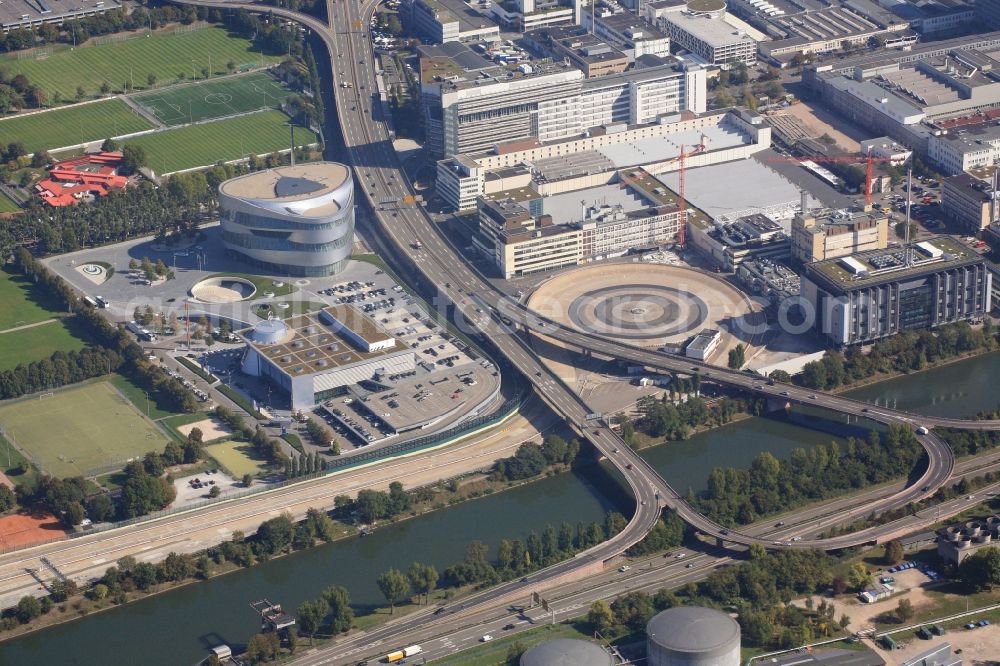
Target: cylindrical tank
(692,636)
(566,652)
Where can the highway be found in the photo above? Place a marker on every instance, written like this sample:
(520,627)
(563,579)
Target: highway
(488,309)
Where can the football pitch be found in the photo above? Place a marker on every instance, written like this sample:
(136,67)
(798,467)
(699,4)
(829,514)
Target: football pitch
(219,141)
(215,98)
(72,125)
(164,54)
(81,430)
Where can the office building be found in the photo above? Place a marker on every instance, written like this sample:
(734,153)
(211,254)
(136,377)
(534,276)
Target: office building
(441,21)
(971,199)
(525,15)
(629,32)
(885,148)
(826,234)
(292,220)
(964,149)
(861,298)
(703,344)
(588,52)
(471,105)
(988,13)
(708,31)
(311,357)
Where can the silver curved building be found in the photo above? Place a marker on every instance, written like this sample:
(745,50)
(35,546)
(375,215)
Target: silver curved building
(294,220)
(566,652)
(692,636)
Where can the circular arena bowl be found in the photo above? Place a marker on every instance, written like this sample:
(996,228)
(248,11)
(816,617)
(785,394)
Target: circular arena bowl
(224,289)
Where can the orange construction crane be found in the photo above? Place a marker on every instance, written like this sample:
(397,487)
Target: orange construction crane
(868,161)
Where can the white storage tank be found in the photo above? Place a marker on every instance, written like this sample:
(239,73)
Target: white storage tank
(692,636)
(566,652)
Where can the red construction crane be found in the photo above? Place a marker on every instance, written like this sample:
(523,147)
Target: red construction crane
(868,161)
(681,204)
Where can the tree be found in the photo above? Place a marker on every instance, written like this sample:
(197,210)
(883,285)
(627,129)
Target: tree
(859,577)
(214,492)
(737,357)
(893,552)
(133,158)
(600,616)
(372,505)
(247,480)
(275,535)
(394,586)
(151,79)
(262,648)
(338,600)
(310,616)
(904,610)
(28,608)
(981,570)
(423,578)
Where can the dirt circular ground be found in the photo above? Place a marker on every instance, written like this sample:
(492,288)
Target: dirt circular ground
(223,290)
(648,304)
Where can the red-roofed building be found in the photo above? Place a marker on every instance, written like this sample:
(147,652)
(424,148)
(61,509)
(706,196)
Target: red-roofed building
(94,174)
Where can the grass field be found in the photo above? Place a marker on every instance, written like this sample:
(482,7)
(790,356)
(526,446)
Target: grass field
(80,430)
(223,140)
(38,342)
(138,398)
(22,303)
(72,125)
(237,457)
(215,98)
(7,205)
(166,55)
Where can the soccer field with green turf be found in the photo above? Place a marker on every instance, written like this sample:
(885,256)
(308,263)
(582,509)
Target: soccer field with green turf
(215,98)
(222,140)
(38,342)
(166,55)
(72,125)
(23,302)
(80,430)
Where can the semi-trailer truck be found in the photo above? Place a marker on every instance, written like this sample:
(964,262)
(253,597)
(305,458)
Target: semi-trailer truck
(398,655)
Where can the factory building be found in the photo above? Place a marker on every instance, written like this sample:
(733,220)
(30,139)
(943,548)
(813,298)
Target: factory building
(443,21)
(862,298)
(293,220)
(826,234)
(311,357)
(692,636)
(566,652)
(729,244)
(957,542)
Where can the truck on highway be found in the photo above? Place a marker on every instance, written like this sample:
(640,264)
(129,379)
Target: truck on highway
(399,655)
(922,430)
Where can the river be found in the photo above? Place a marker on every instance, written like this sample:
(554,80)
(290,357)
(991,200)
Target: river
(179,626)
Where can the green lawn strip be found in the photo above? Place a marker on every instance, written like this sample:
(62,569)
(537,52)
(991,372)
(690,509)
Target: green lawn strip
(167,55)
(294,308)
(294,441)
(39,342)
(495,652)
(8,205)
(261,283)
(238,398)
(138,398)
(23,302)
(214,98)
(238,458)
(112,481)
(219,141)
(196,369)
(12,460)
(72,125)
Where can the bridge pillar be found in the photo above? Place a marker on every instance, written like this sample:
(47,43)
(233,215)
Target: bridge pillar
(719,543)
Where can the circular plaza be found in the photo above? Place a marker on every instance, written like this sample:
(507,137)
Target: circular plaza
(648,304)
(226,289)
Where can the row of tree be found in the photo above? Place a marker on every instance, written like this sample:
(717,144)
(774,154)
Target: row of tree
(903,352)
(530,459)
(740,496)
